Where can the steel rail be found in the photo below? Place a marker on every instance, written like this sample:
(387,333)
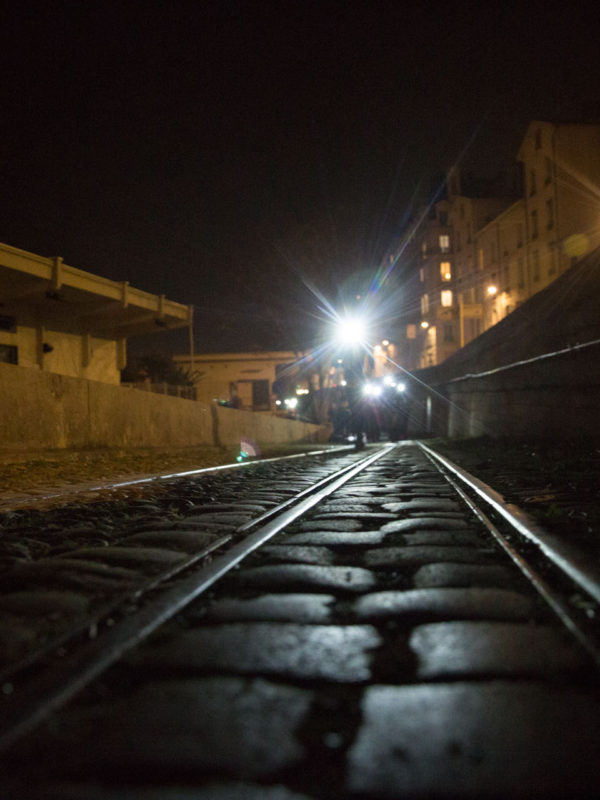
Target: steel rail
(159,476)
(102,613)
(62,681)
(558,606)
(567,558)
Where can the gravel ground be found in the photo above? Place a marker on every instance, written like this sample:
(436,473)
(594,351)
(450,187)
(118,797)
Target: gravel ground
(556,482)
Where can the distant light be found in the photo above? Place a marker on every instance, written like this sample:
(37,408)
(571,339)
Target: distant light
(424,324)
(277,402)
(378,348)
(401,387)
(340,361)
(343,383)
(491,290)
(389,381)
(386,343)
(372,389)
(350,330)
(291,402)
(302,391)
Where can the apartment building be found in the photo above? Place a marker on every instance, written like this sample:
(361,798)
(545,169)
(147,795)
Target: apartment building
(481,252)
(561,168)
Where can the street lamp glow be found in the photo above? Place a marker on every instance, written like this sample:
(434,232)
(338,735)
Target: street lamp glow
(350,330)
(491,290)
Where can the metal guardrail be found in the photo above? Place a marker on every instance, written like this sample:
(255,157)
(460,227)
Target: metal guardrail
(173,390)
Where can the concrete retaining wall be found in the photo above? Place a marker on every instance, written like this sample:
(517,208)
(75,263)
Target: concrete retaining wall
(40,410)
(556,396)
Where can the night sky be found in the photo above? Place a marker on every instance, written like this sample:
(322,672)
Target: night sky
(227,154)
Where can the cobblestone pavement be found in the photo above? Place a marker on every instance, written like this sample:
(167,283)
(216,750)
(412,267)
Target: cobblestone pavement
(557,482)
(25,478)
(383,647)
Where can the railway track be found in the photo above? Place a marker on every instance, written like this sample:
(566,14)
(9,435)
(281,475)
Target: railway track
(335,632)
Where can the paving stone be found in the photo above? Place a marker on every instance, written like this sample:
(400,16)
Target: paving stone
(306,652)
(391,557)
(333,538)
(454,538)
(209,791)
(424,504)
(301,608)
(238,728)
(497,739)
(448,575)
(362,516)
(347,507)
(188,541)
(425,524)
(298,554)
(219,518)
(304,577)
(445,604)
(343,524)
(44,602)
(454,649)
(127,556)
(232,508)
(71,572)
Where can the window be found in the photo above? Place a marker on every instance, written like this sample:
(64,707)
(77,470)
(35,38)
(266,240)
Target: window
(8,324)
(443,217)
(548,176)
(447,298)
(445,271)
(8,354)
(458,243)
(549,214)
(260,395)
(469,233)
(448,332)
(411,331)
(534,224)
(424,304)
(444,243)
(424,249)
(519,234)
(480,258)
(532,187)
(422,275)
(462,211)
(521,273)
(538,139)
(493,253)
(536,265)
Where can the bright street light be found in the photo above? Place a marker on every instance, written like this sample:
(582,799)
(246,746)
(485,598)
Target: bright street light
(350,330)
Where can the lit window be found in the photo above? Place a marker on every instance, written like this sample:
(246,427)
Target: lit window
(447,298)
(424,304)
(422,275)
(445,271)
(444,243)
(411,331)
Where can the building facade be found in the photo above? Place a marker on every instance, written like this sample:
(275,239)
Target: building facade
(480,253)
(61,319)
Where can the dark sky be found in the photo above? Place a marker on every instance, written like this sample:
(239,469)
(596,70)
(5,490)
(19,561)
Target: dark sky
(220,152)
